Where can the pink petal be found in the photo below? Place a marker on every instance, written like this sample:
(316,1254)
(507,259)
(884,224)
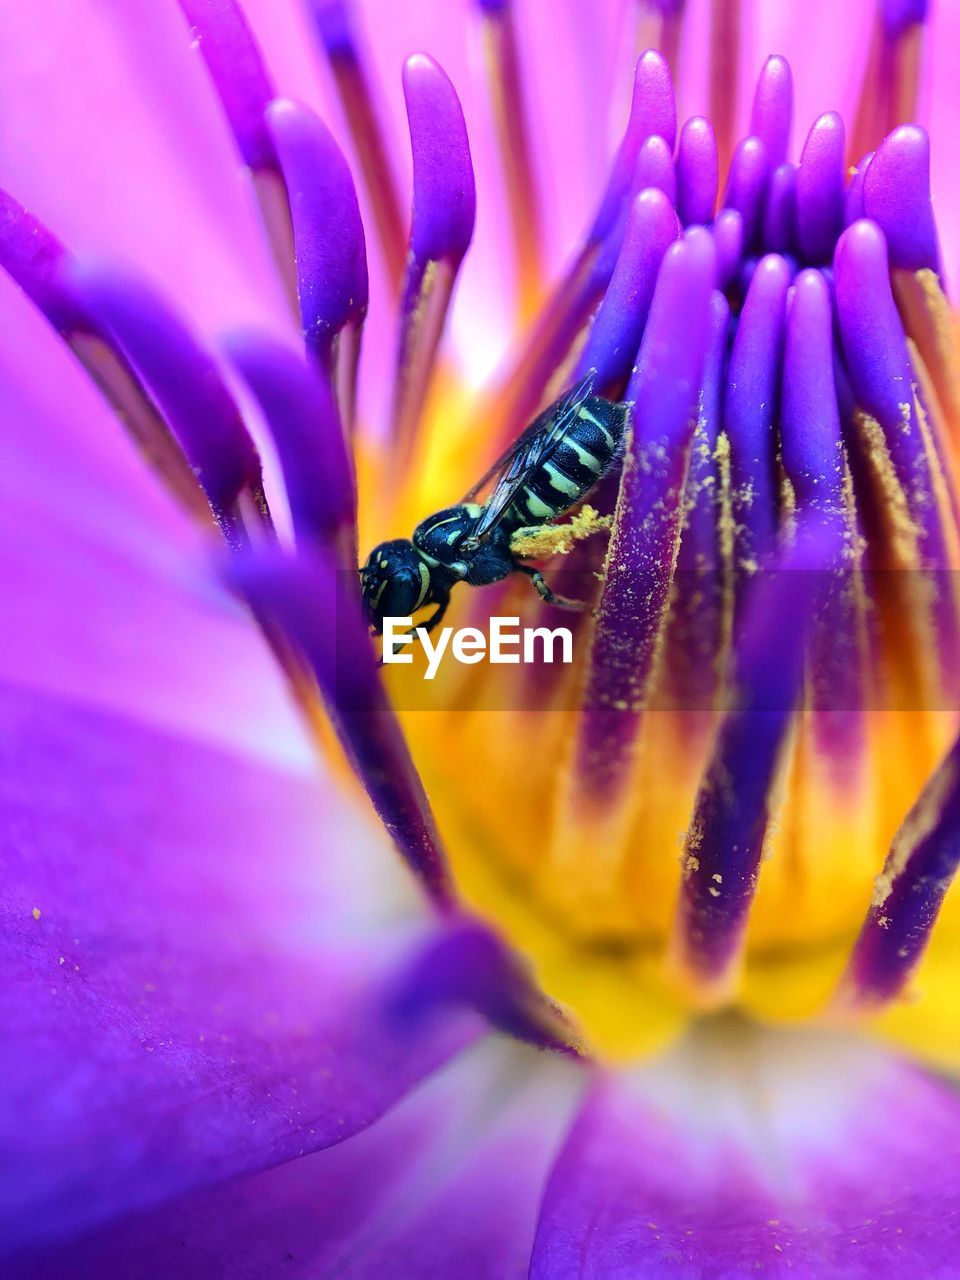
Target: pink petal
(198,954)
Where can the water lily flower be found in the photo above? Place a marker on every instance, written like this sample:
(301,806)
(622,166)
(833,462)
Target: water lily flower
(643,965)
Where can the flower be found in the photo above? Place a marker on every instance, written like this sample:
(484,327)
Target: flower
(621,1011)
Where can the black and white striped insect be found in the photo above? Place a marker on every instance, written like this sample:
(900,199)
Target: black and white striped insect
(551,467)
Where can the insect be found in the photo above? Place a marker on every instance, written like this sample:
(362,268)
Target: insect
(551,466)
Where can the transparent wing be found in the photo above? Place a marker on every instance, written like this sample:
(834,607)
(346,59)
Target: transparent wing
(525,456)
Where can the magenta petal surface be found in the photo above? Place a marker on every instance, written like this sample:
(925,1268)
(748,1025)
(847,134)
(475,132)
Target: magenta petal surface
(448,1183)
(194,973)
(751,1152)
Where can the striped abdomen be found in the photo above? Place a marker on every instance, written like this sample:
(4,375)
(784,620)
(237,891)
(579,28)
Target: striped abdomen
(575,467)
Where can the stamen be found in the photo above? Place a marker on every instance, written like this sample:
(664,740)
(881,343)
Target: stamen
(919,870)
(724,67)
(821,182)
(814,461)
(853,204)
(655,168)
(643,545)
(659,26)
(615,334)
(697,173)
(244,87)
(747,186)
(896,195)
(513,139)
(316,606)
(780,215)
(879,367)
(724,844)
(300,410)
(187,385)
(653,113)
(728,242)
(468,965)
(335,24)
(696,643)
(891,83)
(330,248)
(39,263)
(751,410)
(772,116)
(444,210)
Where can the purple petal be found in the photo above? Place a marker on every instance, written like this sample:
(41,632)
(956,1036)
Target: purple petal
(185,380)
(328,233)
(224,39)
(317,607)
(772,115)
(194,965)
(615,334)
(298,404)
(749,1151)
(643,543)
(896,195)
(447,1183)
(130,617)
(821,188)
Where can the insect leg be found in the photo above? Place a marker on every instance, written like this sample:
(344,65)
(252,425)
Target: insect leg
(436,618)
(546,594)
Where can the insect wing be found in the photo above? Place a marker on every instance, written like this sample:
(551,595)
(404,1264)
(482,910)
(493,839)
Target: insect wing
(534,447)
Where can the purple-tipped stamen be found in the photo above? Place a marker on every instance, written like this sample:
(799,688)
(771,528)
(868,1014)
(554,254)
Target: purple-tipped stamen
(331,257)
(186,384)
(725,840)
(315,605)
(40,265)
(653,113)
(244,87)
(919,870)
(468,965)
(780,214)
(728,242)
(643,544)
(821,189)
(614,337)
(336,27)
(881,377)
(750,414)
(301,412)
(505,80)
(747,186)
(697,173)
(444,211)
(896,195)
(655,168)
(772,117)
